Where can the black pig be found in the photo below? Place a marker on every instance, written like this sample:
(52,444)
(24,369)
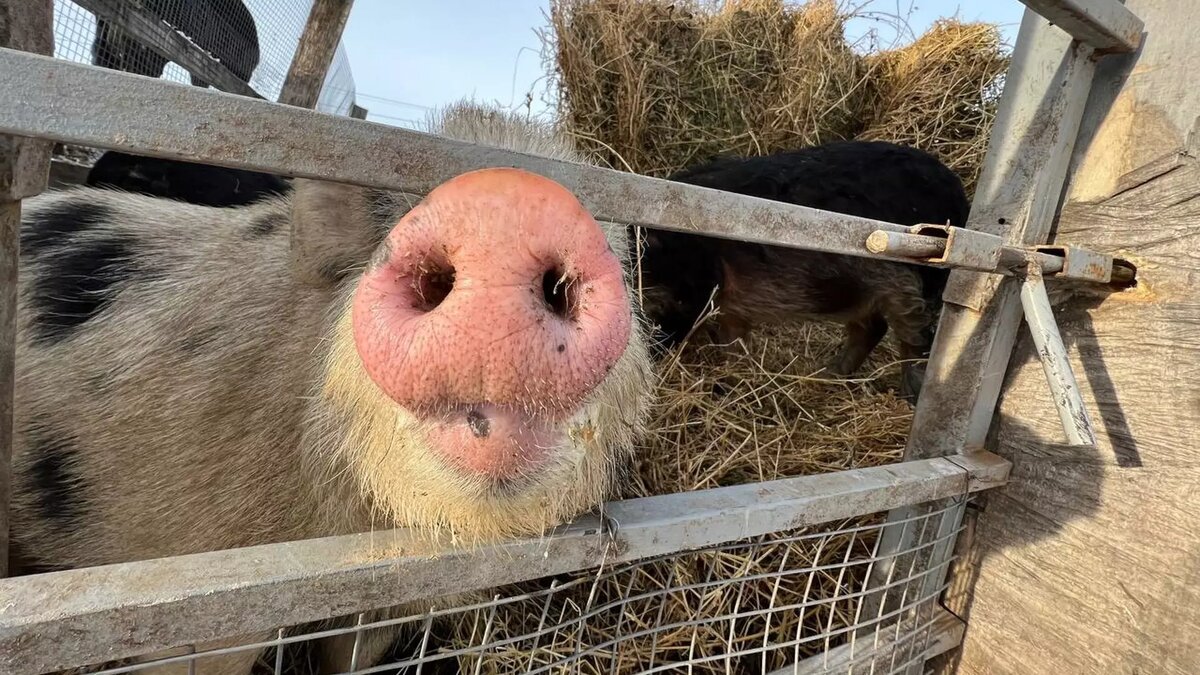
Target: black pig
(189,182)
(757,284)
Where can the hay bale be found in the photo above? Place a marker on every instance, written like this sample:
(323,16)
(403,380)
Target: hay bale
(939,94)
(652,86)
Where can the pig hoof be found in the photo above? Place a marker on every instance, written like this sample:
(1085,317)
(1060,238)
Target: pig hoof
(911,380)
(835,370)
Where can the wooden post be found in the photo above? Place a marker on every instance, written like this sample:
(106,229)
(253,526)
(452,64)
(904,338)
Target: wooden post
(315,52)
(24,167)
(1089,561)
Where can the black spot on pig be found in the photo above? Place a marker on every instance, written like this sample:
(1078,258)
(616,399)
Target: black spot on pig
(56,486)
(481,426)
(766,284)
(80,281)
(189,182)
(56,225)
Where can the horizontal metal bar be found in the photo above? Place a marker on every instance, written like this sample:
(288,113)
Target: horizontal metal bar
(75,103)
(79,617)
(1106,25)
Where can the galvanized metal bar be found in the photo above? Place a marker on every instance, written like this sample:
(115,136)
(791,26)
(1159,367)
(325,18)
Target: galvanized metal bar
(152,33)
(314,53)
(1045,95)
(1106,25)
(10,225)
(1064,389)
(945,633)
(24,171)
(90,106)
(142,607)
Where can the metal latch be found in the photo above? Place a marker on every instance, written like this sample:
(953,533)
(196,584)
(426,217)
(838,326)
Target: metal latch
(959,248)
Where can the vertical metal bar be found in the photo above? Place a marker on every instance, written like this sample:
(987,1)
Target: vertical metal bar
(1063,387)
(1033,138)
(315,52)
(358,634)
(24,170)
(10,225)
(279,647)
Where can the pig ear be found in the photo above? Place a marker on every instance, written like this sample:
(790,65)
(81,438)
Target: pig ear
(332,231)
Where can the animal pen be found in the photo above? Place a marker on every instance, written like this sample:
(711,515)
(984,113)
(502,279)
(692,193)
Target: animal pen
(1093,136)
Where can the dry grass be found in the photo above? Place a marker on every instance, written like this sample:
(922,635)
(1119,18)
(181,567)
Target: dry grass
(653,86)
(940,94)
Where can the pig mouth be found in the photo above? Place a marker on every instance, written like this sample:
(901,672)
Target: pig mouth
(498,445)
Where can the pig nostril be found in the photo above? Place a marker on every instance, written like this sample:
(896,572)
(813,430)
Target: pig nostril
(432,283)
(558,290)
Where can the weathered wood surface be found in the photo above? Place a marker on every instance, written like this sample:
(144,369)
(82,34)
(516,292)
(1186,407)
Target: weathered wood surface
(315,52)
(1089,561)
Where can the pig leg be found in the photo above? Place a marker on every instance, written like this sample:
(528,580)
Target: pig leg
(907,314)
(730,329)
(862,336)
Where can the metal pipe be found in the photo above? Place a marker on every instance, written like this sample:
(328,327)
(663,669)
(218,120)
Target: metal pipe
(1059,376)
(907,245)
(72,103)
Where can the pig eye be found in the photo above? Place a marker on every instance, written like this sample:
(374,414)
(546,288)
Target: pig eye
(558,290)
(434,281)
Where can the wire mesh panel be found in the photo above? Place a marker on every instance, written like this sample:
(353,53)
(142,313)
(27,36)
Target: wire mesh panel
(254,39)
(792,600)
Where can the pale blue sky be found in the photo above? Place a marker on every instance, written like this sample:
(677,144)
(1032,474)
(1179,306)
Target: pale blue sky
(408,55)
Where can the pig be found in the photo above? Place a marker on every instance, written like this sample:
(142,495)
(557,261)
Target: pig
(223,28)
(470,365)
(753,284)
(190,182)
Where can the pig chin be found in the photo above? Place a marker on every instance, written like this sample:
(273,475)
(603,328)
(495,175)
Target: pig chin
(443,470)
(498,446)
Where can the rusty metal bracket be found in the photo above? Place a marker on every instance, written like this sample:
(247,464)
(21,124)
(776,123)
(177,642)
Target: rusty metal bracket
(973,250)
(941,245)
(1079,263)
